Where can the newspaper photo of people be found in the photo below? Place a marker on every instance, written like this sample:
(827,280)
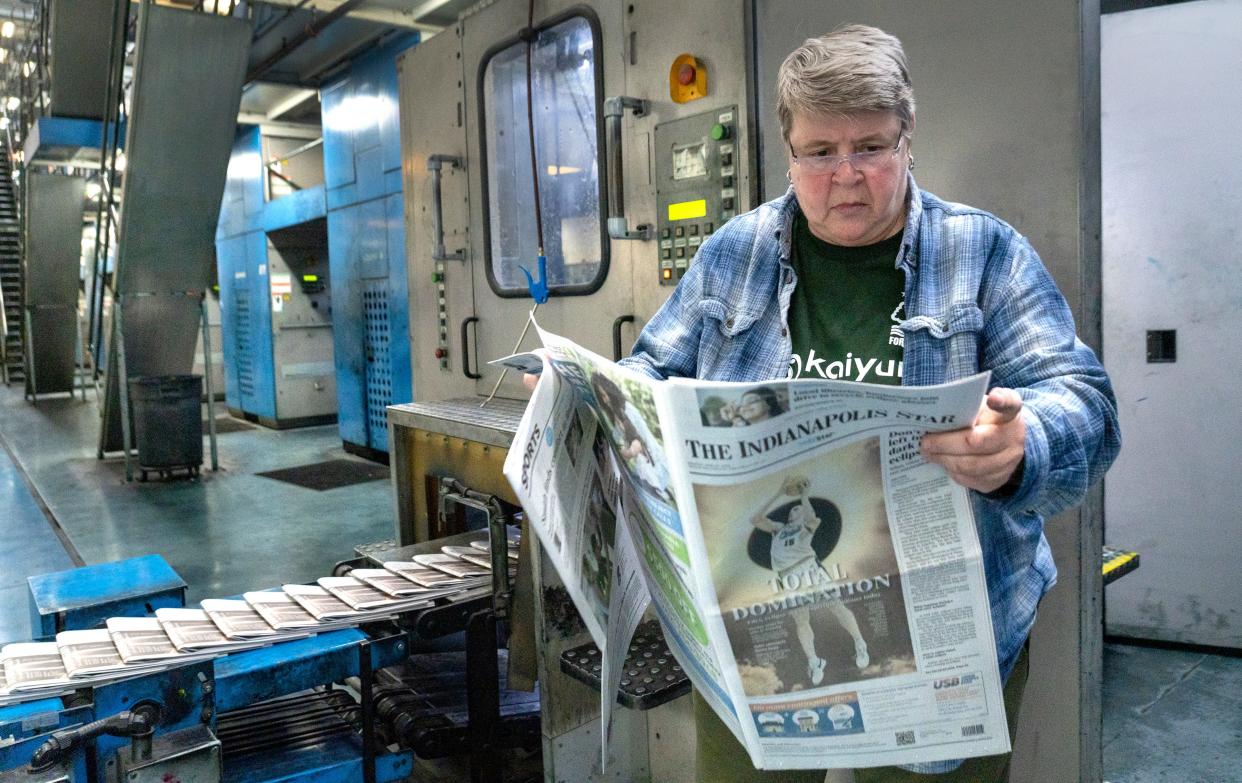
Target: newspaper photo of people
(632,422)
(599,533)
(806,574)
(750,407)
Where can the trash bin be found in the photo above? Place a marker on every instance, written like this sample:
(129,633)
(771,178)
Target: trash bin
(168,423)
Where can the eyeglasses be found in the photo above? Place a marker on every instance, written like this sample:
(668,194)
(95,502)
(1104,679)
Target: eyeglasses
(866,161)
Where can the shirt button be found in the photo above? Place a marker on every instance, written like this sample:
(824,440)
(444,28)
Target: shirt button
(788,276)
(729,323)
(784,331)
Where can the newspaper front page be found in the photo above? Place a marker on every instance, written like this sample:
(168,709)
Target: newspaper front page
(820,583)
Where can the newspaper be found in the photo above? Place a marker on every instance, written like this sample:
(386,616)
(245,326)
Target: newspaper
(239,620)
(821,584)
(365,597)
(193,630)
(92,653)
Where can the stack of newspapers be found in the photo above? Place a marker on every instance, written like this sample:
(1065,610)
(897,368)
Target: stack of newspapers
(133,646)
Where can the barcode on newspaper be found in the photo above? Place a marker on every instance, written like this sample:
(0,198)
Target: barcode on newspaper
(905,738)
(972,731)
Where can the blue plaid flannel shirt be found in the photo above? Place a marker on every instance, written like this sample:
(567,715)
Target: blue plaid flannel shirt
(977,298)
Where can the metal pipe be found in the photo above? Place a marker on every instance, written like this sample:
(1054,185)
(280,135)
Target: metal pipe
(211,394)
(438,253)
(614,108)
(312,30)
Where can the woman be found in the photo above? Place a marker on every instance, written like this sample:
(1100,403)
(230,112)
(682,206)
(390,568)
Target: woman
(813,277)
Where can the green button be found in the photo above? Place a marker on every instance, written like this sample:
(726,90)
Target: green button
(720,131)
(437,277)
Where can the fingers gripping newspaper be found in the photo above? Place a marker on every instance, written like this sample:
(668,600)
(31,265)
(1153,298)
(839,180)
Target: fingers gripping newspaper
(820,583)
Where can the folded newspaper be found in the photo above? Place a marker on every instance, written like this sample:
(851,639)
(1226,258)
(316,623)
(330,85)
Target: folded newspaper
(819,581)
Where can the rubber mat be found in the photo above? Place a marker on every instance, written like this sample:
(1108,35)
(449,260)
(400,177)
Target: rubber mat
(330,475)
(226,424)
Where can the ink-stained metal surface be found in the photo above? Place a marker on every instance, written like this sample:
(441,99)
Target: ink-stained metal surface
(366,244)
(177,157)
(81,598)
(78,56)
(53,245)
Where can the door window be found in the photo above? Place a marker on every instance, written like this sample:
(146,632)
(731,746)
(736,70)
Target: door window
(566,86)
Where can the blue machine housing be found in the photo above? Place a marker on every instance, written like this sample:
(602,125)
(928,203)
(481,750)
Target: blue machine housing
(242,258)
(199,692)
(366,245)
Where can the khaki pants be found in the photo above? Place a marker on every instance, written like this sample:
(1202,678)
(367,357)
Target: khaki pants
(721,759)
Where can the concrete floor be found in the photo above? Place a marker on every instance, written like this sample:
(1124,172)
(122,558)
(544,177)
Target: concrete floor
(1168,715)
(225,532)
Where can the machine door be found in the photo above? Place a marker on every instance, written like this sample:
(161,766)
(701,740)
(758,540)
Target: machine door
(577,61)
(684,163)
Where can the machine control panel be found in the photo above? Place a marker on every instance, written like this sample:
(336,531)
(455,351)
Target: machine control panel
(696,185)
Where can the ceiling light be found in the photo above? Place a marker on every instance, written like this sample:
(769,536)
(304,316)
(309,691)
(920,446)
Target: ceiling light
(13,103)
(4,123)
(28,68)
(8,29)
(4,54)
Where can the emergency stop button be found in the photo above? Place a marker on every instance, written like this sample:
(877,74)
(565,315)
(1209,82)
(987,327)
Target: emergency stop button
(687,79)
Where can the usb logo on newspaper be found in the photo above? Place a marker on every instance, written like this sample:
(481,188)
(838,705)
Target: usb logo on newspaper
(529,456)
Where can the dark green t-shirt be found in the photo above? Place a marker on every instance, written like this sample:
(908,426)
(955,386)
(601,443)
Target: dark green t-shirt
(845,309)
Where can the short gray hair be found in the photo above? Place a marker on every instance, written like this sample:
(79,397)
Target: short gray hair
(854,68)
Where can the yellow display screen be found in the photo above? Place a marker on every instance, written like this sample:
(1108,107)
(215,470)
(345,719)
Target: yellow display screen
(310,278)
(687,210)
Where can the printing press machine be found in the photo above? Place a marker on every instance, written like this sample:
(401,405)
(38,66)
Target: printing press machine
(358,704)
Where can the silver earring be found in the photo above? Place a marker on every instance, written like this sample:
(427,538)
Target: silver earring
(912,162)
(789,174)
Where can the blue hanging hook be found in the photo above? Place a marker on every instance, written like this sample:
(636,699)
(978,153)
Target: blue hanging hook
(538,288)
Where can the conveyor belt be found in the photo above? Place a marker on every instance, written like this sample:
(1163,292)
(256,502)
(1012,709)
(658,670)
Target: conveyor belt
(422,706)
(292,722)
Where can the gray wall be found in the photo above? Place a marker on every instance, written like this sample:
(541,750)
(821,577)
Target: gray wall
(1171,261)
(1006,122)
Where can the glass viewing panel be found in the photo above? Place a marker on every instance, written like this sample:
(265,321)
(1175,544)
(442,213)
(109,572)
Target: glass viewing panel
(689,161)
(563,75)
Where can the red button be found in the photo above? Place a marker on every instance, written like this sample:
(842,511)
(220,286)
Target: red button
(441,353)
(686,74)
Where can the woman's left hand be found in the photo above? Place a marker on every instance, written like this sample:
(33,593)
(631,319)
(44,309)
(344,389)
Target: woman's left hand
(984,456)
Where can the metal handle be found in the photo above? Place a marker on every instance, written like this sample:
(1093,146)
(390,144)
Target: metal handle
(434,165)
(616,335)
(618,226)
(465,354)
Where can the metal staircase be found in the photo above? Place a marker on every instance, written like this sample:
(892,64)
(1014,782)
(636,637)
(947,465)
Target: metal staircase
(11,276)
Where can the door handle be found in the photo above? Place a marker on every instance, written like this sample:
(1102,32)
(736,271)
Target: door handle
(465,354)
(434,165)
(618,225)
(616,335)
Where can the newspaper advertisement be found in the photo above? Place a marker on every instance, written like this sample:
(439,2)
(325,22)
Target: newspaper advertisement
(821,583)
